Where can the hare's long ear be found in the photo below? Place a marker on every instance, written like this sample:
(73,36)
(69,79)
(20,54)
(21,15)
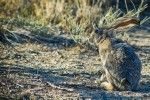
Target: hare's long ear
(123,23)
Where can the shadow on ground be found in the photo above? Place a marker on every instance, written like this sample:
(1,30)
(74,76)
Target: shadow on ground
(14,79)
(49,40)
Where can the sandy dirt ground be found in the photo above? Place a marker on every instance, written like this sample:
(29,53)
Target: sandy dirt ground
(53,69)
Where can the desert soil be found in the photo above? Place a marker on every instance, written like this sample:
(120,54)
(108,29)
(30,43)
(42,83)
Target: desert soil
(49,68)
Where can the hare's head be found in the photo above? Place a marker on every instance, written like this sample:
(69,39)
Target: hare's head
(100,34)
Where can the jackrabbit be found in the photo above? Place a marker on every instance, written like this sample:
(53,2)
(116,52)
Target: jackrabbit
(122,67)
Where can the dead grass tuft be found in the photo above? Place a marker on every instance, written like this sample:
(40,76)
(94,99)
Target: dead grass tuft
(78,17)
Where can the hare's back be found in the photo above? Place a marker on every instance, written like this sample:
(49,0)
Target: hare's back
(122,62)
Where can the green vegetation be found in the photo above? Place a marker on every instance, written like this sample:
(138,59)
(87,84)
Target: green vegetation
(77,17)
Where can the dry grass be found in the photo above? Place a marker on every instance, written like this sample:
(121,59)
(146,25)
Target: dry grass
(77,17)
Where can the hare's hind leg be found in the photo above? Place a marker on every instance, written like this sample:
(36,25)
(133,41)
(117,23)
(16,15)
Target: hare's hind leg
(136,87)
(107,86)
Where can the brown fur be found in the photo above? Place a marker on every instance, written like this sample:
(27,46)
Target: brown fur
(124,22)
(122,67)
(104,44)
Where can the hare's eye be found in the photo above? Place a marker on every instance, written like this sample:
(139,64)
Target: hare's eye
(98,31)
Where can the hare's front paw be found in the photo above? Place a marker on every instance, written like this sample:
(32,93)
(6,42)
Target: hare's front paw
(107,86)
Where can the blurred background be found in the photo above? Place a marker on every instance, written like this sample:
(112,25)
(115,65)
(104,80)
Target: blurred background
(77,17)
(62,11)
